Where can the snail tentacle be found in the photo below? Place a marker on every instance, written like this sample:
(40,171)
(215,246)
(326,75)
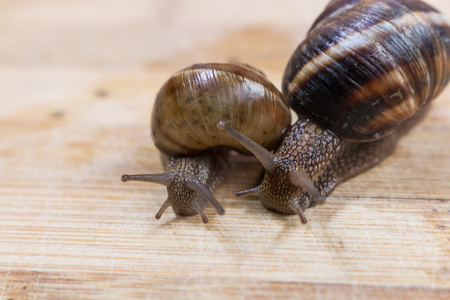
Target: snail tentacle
(267,159)
(252,192)
(299,211)
(164,178)
(201,189)
(165,205)
(300,179)
(201,213)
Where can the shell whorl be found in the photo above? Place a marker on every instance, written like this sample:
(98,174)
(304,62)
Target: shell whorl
(368,65)
(193,100)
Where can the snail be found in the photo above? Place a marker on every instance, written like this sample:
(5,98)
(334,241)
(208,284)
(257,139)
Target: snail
(364,68)
(183,128)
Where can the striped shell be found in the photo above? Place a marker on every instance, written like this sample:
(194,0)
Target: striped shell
(368,65)
(192,102)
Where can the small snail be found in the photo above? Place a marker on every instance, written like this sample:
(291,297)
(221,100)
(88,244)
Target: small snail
(364,68)
(183,126)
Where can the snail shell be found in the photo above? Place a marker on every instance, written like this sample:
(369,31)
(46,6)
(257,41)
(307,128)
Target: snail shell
(366,66)
(195,99)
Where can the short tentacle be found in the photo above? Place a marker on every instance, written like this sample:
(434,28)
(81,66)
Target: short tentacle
(165,205)
(299,211)
(253,192)
(202,214)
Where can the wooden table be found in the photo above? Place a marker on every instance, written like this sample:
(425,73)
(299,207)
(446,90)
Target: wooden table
(77,83)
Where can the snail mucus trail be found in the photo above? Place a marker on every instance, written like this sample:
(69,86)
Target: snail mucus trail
(183,127)
(364,68)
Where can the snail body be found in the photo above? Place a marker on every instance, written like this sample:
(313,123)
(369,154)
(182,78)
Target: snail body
(365,68)
(183,126)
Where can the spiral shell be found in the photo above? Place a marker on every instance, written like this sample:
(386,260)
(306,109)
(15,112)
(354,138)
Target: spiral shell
(368,65)
(190,104)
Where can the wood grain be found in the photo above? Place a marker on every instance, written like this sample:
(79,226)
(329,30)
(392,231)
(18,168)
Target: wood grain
(77,83)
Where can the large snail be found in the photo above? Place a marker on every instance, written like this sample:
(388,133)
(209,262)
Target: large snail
(364,68)
(183,127)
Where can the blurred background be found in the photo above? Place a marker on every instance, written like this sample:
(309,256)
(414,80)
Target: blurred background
(126,34)
(51,49)
(54,50)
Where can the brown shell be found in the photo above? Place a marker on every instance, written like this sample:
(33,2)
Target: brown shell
(192,102)
(368,65)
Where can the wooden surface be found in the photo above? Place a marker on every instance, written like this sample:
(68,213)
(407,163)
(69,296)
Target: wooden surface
(77,82)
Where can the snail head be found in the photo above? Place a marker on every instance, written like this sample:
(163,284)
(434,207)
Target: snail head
(281,181)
